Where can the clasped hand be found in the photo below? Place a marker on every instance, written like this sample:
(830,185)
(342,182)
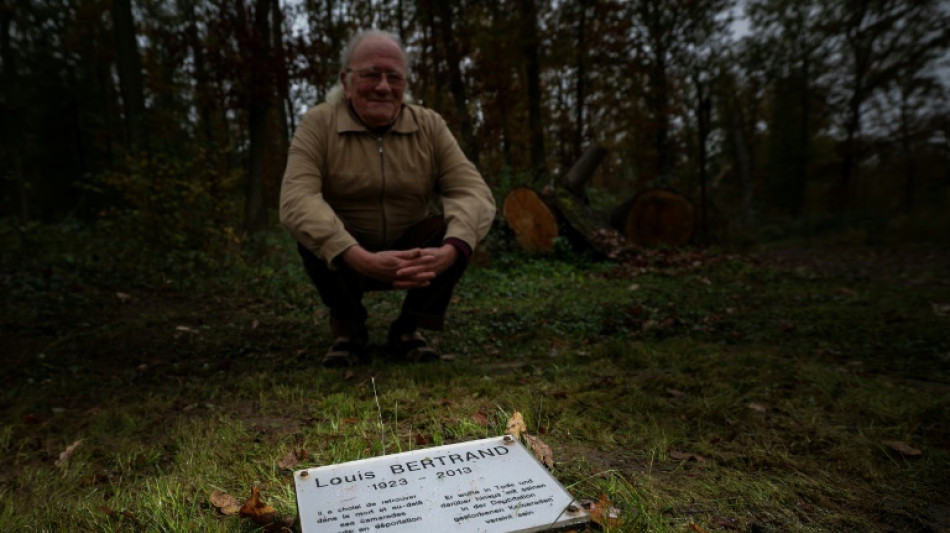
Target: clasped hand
(405,269)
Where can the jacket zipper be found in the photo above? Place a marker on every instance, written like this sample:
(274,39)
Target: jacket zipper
(382,191)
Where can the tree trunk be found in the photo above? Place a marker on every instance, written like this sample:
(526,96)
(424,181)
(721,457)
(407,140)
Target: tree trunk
(703,112)
(576,179)
(255,215)
(456,83)
(580,87)
(530,45)
(744,168)
(129,66)
(10,110)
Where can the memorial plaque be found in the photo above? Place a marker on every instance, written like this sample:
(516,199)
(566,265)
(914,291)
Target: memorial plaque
(490,485)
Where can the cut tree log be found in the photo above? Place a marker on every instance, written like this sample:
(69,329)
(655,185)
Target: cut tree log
(538,218)
(656,217)
(531,218)
(583,220)
(576,179)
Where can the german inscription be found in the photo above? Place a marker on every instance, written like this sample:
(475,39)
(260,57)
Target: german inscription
(490,485)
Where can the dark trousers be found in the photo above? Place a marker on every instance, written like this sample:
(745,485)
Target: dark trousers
(342,289)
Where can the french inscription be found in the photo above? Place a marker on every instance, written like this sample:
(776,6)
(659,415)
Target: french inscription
(488,485)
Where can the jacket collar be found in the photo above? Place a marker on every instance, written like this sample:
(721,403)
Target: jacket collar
(347,121)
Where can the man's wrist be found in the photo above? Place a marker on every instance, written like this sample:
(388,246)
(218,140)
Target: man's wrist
(462,247)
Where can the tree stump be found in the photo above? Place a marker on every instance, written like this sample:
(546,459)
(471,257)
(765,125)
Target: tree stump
(656,217)
(532,220)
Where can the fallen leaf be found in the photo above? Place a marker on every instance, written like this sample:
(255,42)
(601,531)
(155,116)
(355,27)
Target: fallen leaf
(123,296)
(423,440)
(697,528)
(516,425)
(675,393)
(541,450)
(684,456)
(803,505)
(291,459)
(257,510)
(941,309)
(723,522)
(67,454)
(255,323)
(757,407)
(481,417)
(902,447)
(107,510)
(225,503)
(602,512)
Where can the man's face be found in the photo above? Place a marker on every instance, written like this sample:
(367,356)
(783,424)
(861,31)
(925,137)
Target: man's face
(376,97)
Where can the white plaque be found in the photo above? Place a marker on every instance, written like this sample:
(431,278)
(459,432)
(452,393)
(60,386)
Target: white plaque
(490,485)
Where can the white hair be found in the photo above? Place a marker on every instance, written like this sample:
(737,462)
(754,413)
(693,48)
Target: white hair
(346,56)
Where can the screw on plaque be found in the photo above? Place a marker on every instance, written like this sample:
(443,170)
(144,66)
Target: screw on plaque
(508,439)
(573,508)
(304,474)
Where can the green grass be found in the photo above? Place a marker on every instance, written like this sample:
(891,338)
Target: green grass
(784,384)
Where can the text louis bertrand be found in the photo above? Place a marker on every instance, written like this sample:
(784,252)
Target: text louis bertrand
(436,461)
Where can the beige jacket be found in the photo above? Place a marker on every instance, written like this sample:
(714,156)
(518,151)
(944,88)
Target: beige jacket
(345,185)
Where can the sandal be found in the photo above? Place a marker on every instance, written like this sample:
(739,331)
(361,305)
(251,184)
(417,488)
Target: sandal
(345,352)
(412,347)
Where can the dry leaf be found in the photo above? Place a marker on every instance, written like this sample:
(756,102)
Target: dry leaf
(902,447)
(423,440)
(481,417)
(941,309)
(757,407)
(602,512)
(675,393)
(516,425)
(697,528)
(225,503)
(123,296)
(107,510)
(66,454)
(291,459)
(723,522)
(541,450)
(684,456)
(257,510)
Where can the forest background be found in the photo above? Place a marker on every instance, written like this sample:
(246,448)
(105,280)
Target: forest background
(175,116)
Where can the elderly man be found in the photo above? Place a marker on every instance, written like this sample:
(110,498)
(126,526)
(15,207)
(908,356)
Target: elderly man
(364,173)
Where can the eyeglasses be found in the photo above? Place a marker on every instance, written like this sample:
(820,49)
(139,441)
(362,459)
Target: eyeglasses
(374,76)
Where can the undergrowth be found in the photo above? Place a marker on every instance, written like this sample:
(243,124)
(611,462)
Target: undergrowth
(729,395)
